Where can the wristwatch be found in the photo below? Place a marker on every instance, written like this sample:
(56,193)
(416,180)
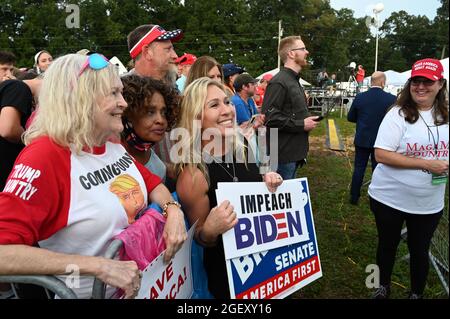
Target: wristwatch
(166,207)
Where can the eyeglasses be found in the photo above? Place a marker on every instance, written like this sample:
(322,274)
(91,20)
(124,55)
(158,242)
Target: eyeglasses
(95,62)
(425,82)
(300,49)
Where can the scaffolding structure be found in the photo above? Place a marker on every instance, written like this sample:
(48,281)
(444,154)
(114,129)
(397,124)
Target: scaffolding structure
(439,250)
(324,101)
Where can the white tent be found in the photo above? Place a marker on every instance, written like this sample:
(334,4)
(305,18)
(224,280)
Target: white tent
(445,65)
(122,69)
(275,71)
(395,78)
(392,78)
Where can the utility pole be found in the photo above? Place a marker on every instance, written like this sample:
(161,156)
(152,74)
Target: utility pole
(378,8)
(443,52)
(280,34)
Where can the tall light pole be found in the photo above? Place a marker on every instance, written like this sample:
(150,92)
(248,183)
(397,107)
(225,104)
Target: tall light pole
(280,34)
(377,9)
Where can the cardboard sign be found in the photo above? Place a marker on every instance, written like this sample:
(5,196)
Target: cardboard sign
(172,280)
(266,220)
(278,272)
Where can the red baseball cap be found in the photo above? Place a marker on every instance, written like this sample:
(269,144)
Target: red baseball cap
(186,59)
(267,77)
(429,68)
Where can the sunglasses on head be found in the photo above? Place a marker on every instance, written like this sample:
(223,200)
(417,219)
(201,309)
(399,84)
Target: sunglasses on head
(95,62)
(426,82)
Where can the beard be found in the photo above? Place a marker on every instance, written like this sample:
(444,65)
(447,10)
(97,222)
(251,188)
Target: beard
(301,61)
(171,75)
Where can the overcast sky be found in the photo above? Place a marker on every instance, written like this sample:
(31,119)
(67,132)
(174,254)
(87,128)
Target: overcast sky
(363,8)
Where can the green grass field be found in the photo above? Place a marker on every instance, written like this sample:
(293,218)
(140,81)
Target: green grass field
(346,234)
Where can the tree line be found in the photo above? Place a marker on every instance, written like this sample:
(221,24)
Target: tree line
(239,31)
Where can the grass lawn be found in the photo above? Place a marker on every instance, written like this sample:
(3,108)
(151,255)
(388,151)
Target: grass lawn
(346,234)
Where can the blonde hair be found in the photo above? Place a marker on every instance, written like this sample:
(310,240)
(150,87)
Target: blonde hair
(123,183)
(67,102)
(286,45)
(192,107)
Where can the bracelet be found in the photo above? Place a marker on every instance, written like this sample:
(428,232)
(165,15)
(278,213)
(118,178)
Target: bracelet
(166,207)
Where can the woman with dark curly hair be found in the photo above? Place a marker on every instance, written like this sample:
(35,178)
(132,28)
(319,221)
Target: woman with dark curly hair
(408,185)
(152,111)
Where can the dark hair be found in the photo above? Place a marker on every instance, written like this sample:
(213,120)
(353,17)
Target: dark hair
(7,57)
(411,112)
(138,91)
(27,75)
(137,34)
(201,67)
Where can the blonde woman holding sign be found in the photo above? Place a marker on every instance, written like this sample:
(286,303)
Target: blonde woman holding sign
(218,157)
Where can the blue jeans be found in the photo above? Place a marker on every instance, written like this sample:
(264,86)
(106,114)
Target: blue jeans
(288,170)
(362,155)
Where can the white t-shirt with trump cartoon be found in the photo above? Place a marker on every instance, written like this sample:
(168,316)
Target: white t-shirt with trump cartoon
(72,204)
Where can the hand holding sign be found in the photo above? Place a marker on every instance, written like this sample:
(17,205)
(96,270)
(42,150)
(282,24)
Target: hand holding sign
(220,219)
(272,180)
(174,232)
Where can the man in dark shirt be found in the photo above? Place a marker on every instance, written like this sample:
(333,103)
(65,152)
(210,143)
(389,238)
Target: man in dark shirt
(15,108)
(286,109)
(367,111)
(7,60)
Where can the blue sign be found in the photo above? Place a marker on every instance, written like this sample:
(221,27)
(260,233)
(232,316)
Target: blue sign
(277,272)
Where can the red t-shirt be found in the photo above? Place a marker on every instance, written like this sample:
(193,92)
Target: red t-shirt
(360,75)
(260,92)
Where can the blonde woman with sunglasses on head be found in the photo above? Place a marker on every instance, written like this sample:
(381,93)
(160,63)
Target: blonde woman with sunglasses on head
(59,192)
(408,185)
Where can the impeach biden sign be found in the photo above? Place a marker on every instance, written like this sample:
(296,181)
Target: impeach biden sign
(266,220)
(272,251)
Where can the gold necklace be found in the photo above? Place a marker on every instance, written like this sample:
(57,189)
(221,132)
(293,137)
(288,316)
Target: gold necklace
(234,177)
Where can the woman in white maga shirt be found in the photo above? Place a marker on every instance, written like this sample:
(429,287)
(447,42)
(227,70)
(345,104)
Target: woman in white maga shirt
(409,183)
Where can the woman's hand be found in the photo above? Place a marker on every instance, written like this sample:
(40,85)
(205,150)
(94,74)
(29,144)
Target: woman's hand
(124,275)
(174,232)
(221,219)
(437,166)
(272,180)
(260,119)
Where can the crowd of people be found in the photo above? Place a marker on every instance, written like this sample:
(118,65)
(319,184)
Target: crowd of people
(86,151)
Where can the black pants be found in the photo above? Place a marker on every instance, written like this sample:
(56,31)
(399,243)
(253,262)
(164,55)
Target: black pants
(420,231)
